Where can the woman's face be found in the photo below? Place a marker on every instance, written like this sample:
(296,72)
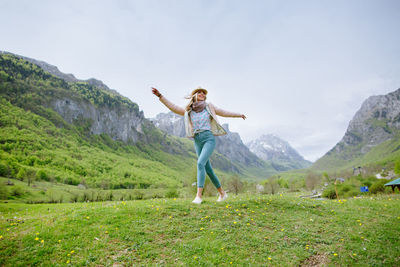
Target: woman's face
(201,96)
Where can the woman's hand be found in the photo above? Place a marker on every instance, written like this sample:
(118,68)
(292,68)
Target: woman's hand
(155,91)
(243,116)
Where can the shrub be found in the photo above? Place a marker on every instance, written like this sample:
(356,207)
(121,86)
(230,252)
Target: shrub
(367,183)
(171,193)
(74,197)
(329,192)
(17,191)
(110,196)
(21,174)
(3,191)
(42,175)
(3,169)
(138,195)
(345,188)
(378,186)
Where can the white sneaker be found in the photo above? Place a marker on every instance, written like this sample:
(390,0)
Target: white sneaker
(197,200)
(222,198)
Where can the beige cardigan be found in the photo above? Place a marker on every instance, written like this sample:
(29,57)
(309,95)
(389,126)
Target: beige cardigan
(216,128)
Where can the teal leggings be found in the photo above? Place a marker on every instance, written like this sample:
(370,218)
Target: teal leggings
(204,143)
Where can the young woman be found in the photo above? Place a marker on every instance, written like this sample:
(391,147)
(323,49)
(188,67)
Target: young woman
(201,123)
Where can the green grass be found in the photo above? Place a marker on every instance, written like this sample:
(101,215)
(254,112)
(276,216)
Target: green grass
(47,192)
(246,230)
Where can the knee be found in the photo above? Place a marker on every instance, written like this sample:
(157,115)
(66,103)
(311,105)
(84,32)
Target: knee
(201,165)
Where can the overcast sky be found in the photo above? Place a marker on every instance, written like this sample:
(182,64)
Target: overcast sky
(297,69)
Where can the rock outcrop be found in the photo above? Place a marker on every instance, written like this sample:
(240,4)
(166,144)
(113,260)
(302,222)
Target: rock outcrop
(376,121)
(119,123)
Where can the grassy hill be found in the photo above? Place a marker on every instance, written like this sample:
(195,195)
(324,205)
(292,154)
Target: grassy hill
(33,148)
(246,230)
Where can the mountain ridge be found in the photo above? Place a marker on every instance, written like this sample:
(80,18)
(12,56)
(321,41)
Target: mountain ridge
(272,148)
(374,124)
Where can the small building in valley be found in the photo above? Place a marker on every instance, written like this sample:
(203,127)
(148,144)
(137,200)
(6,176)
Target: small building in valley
(394,184)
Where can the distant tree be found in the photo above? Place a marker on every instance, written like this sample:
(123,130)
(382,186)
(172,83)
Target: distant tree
(271,186)
(312,180)
(283,183)
(327,178)
(236,184)
(3,169)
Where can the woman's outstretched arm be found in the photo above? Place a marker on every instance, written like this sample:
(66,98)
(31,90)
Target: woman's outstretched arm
(224,113)
(174,108)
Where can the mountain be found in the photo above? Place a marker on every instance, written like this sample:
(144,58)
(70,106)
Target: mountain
(229,145)
(273,149)
(170,123)
(372,136)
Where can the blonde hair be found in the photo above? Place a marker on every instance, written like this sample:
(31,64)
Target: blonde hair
(193,99)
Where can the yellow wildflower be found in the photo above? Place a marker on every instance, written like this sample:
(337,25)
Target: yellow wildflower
(37,238)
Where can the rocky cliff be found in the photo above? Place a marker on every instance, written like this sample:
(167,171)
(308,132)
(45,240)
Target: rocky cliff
(377,121)
(119,123)
(170,123)
(272,148)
